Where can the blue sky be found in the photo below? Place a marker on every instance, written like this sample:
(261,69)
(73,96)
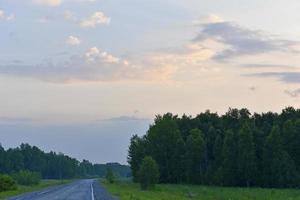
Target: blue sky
(82,76)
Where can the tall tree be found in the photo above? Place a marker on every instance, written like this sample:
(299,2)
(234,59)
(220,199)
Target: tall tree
(136,153)
(246,157)
(195,149)
(162,138)
(279,168)
(230,154)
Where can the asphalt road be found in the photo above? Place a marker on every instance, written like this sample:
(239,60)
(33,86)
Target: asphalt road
(79,190)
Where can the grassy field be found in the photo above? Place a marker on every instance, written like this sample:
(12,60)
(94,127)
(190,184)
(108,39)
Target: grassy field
(130,191)
(24,189)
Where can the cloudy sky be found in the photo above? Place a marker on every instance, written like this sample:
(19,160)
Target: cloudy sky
(82,76)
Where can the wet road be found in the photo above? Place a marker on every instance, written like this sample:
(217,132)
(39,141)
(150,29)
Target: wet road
(79,190)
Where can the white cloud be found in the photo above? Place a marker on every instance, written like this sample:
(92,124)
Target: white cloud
(54,3)
(73,41)
(47,2)
(94,20)
(94,54)
(4,16)
(209,19)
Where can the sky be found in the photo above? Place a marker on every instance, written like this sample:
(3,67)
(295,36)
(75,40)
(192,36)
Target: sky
(82,76)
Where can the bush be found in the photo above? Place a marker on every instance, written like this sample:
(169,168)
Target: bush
(26,177)
(148,173)
(110,177)
(7,183)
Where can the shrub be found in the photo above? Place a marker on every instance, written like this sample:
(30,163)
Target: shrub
(7,183)
(148,173)
(110,177)
(26,177)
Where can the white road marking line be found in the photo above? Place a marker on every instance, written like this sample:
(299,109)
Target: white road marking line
(92,191)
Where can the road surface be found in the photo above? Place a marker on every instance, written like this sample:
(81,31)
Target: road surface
(79,190)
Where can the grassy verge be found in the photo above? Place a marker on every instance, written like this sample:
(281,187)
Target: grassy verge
(25,189)
(131,191)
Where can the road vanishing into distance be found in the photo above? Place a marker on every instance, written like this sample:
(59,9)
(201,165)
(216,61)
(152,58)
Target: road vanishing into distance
(79,190)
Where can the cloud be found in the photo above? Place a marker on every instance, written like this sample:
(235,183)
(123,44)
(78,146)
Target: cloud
(95,19)
(287,77)
(14,121)
(52,3)
(94,55)
(55,3)
(208,20)
(240,41)
(255,65)
(94,65)
(126,119)
(294,93)
(5,17)
(73,41)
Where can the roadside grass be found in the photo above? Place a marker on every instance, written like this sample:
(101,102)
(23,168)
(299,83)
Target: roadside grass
(24,189)
(131,191)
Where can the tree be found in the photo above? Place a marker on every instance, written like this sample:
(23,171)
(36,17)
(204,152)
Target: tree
(291,138)
(246,157)
(229,166)
(195,148)
(279,168)
(110,177)
(148,173)
(7,183)
(136,153)
(25,177)
(234,149)
(162,137)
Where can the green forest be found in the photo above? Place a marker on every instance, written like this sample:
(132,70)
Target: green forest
(52,165)
(234,149)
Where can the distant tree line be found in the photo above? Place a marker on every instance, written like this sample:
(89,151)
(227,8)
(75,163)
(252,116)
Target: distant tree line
(53,165)
(234,149)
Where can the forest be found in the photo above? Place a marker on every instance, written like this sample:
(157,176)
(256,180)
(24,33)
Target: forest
(234,149)
(52,165)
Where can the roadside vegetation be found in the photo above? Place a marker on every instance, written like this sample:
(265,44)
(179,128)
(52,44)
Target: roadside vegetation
(25,177)
(110,177)
(20,189)
(132,191)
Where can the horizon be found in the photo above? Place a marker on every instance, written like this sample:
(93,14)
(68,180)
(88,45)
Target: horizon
(82,76)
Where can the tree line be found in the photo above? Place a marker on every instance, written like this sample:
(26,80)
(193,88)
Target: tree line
(53,165)
(234,149)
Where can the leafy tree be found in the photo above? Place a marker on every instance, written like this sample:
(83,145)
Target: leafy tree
(246,157)
(136,153)
(234,149)
(162,137)
(110,177)
(230,154)
(279,168)
(50,165)
(195,148)
(7,183)
(148,173)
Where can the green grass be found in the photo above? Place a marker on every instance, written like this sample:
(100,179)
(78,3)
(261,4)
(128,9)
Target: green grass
(25,189)
(130,191)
